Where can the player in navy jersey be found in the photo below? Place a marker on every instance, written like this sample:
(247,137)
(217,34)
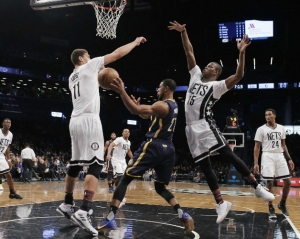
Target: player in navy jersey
(109,167)
(202,133)
(157,152)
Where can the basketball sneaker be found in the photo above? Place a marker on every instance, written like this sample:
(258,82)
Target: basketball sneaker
(67,210)
(15,195)
(107,224)
(282,207)
(111,189)
(262,192)
(272,214)
(83,219)
(1,187)
(187,222)
(123,202)
(222,210)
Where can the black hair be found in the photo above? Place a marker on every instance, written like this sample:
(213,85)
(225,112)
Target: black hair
(76,54)
(170,83)
(272,110)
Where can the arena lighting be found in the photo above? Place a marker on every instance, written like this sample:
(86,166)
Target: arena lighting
(271,61)
(254,63)
(131,122)
(56,114)
(221,63)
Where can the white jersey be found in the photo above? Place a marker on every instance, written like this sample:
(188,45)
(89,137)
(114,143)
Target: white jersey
(84,87)
(270,138)
(5,141)
(121,148)
(201,96)
(28,153)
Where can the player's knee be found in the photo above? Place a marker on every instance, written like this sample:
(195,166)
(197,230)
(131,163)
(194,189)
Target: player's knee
(126,179)
(94,170)
(73,171)
(160,188)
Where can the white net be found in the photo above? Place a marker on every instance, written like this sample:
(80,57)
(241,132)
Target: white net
(108,15)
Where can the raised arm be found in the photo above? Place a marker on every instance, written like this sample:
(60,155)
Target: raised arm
(159,108)
(232,80)
(123,50)
(188,48)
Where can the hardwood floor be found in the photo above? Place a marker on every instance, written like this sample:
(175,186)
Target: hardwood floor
(189,195)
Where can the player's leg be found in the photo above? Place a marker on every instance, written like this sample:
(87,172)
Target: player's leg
(282,172)
(118,170)
(135,170)
(110,176)
(5,170)
(222,206)
(67,208)
(163,161)
(268,173)
(10,182)
(242,168)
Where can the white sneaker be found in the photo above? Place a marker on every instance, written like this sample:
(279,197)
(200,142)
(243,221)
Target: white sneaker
(83,219)
(262,192)
(123,202)
(67,210)
(1,187)
(222,210)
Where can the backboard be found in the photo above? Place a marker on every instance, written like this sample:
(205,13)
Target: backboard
(237,138)
(50,4)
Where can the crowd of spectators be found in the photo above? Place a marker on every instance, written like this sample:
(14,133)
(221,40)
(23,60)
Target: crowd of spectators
(53,156)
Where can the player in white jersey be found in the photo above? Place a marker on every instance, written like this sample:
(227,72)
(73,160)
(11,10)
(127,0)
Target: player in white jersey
(5,165)
(203,135)
(271,138)
(121,148)
(86,130)
(28,158)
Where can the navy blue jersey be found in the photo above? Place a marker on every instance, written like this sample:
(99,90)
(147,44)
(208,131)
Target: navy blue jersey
(111,153)
(164,128)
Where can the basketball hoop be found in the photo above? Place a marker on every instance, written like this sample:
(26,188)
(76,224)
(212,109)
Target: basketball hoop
(108,15)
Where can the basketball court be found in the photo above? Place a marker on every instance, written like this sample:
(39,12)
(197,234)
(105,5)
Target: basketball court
(146,214)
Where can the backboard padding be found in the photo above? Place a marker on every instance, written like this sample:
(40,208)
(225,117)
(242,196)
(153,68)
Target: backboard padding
(50,4)
(239,138)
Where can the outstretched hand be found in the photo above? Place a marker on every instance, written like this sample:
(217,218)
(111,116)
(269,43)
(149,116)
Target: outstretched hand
(117,85)
(176,26)
(140,40)
(243,44)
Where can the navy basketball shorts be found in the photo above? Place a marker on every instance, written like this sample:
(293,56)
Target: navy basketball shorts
(155,153)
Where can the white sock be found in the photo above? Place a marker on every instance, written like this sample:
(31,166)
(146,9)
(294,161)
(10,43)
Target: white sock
(180,212)
(110,215)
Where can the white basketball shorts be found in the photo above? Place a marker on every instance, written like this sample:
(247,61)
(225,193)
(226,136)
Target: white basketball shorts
(274,165)
(203,140)
(87,140)
(119,166)
(4,168)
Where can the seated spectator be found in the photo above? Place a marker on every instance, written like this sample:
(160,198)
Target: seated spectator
(197,178)
(82,173)
(53,171)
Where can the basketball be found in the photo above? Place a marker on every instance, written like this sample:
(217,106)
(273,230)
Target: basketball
(106,76)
